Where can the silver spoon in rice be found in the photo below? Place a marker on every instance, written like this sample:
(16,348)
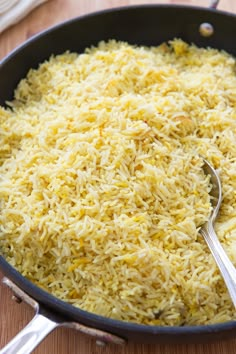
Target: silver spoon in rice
(226,267)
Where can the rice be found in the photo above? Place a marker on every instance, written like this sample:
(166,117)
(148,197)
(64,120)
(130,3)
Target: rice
(102,188)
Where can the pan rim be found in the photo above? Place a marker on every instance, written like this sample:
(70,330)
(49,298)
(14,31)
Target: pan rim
(46,299)
(63,23)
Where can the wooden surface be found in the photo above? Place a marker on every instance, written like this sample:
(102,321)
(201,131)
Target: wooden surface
(14,316)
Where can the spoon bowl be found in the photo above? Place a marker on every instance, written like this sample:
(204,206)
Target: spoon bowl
(216,190)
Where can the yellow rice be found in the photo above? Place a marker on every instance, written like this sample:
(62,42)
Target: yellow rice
(102,189)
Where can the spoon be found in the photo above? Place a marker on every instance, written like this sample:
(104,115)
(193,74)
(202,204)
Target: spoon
(226,267)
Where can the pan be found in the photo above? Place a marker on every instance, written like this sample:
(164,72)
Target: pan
(141,25)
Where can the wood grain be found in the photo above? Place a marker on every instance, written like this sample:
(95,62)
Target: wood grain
(14,316)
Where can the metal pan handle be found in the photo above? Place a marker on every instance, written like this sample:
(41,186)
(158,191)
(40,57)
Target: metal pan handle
(30,337)
(213,4)
(45,322)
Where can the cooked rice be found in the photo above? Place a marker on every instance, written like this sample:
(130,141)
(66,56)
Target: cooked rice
(102,189)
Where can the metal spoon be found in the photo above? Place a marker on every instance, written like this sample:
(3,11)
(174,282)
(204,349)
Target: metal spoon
(226,267)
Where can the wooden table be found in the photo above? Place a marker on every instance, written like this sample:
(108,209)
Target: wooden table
(14,316)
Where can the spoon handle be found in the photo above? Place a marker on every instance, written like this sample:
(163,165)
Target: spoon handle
(226,267)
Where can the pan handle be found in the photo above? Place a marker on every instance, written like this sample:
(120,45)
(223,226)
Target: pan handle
(213,4)
(45,322)
(28,339)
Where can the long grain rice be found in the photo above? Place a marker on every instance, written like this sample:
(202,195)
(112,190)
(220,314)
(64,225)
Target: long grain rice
(102,189)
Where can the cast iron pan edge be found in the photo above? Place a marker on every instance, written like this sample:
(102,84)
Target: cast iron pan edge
(117,24)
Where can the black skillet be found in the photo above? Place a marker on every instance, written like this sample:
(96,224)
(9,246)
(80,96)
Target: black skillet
(141,25)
